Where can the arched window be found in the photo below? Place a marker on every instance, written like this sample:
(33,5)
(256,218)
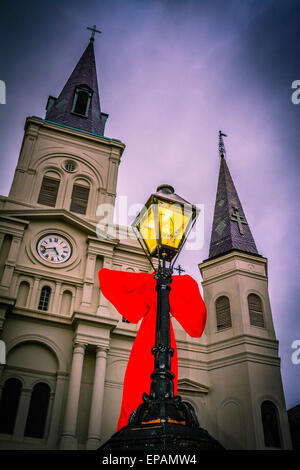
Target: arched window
(23,294)
(82,100)
(66,303)
(223,313)
(9,405)
(49,191)
(269,416)
(44,298)
(38,408)
(79,198)
(255,310)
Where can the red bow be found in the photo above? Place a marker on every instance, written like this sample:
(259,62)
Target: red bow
(134,296)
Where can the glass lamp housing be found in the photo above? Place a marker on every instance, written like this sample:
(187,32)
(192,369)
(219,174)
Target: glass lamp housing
(164,222)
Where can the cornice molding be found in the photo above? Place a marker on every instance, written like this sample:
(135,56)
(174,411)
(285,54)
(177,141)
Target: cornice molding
(232,255)
(85,225)
(63,129)
(245,357)
(189,387)
(221,276)
(80,317)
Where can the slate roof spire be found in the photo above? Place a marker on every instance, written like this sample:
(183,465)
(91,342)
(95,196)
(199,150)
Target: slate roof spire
(230,230)
(80,88)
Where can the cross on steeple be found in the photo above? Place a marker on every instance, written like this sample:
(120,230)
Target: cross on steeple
(240,219)
(180,269)
(222,150)
(94,30)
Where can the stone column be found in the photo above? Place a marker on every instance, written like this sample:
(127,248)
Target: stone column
(2,367)
(52,441)
(49,415)
(22,414)
(94,439)
(68,438)
(2,235)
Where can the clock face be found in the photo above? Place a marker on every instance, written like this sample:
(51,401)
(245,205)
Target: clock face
(54,248)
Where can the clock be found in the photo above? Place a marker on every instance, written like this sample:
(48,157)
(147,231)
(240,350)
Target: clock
(54,248)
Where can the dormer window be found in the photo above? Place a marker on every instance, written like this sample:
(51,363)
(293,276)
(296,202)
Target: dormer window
(82,101)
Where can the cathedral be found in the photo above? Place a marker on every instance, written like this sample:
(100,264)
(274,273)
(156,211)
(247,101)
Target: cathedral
(67,347)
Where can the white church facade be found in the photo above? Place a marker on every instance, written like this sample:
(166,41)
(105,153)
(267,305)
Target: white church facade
(67,347)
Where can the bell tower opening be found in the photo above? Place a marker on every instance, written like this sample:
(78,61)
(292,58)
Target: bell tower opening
(82,100)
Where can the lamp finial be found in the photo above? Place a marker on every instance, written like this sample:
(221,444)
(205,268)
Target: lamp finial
(166,189)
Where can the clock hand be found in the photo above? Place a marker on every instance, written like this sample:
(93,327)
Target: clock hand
(51,248)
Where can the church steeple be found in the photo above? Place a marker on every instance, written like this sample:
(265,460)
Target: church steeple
(230,230)
(78,105)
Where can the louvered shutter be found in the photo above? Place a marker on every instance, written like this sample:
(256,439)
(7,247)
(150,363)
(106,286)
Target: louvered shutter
(48,192)
(255,311)
(80,196)
(223,313)
(82,103)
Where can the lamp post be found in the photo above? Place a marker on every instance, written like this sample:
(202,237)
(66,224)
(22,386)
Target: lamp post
(162,227)
(162,420)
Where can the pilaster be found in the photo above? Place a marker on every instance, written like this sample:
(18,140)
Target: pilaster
(68,438)
(103,308)
(22,414)
(94,434)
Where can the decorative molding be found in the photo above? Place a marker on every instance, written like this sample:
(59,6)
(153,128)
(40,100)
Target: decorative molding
(243,357)
(45,341)
(231,273)
(46,126)
(39,274)
(242,340)
(189,387)
(111,384)
(83,224)
(232,255)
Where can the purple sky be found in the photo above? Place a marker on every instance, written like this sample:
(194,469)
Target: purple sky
(171,74)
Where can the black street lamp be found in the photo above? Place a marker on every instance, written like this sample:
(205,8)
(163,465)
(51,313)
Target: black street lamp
(162,228)
(162,420)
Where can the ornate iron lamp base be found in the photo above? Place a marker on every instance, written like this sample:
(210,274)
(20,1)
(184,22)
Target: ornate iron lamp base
(161,436)
(168,424)
(165,410)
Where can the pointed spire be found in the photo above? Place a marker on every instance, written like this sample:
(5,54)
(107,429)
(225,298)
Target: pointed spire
(78,104)
(230,230)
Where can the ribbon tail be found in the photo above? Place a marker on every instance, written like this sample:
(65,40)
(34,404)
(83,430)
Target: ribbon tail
(139,368)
